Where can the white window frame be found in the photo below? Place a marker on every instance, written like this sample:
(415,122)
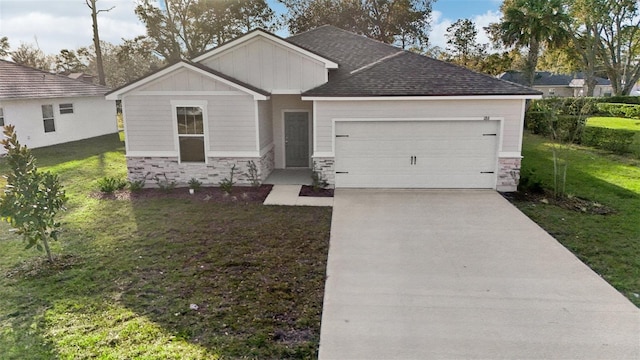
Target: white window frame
(52,118)
(65,108)
(175,104)
(1,116)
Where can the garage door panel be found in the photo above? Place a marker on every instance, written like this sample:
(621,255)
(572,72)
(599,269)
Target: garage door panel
(429,154)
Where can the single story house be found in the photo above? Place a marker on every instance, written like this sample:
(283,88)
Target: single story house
(48,109)
(561,85)
(360,112)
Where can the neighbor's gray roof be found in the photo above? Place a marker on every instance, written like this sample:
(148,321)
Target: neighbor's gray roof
(546,78)
(23,82)
(371,68)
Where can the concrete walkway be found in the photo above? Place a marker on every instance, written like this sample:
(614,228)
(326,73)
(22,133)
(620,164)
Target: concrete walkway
(288,195)
(461,275)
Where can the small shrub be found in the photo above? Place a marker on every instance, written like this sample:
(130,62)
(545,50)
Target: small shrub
(108,185)
(615,140)
(227,183)
(194,184)
(530,183)
(620,110)
(164,184)
(253,174)
(318,181)
(137,185)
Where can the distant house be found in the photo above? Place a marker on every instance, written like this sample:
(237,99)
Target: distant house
(560,85)
(49,109)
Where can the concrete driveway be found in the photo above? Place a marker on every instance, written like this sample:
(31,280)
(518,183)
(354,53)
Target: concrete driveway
(461,275)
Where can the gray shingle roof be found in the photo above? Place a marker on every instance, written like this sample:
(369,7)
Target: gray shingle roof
(22,82)
(546,78)
(371,68)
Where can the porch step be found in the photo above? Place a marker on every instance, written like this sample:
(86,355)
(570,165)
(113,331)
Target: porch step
(288,195)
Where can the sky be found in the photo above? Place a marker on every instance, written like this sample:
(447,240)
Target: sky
(66,24)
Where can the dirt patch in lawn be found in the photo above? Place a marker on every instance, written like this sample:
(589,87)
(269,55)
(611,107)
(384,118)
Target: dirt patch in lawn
(239,194)
(307,190)
(572,203)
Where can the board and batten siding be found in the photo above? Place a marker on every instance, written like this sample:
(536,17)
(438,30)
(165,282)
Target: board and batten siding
(150,128)
(327,111)
(186,80)
(92,116)
(269,66)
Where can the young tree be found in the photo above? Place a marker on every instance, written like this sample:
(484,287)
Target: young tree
(402,22)
(4,47)
(462,44)
(190,27)
(31,198)
(30,55)
(531,24)
(96,37)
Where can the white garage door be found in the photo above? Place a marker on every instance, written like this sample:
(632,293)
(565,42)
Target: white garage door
(416,154)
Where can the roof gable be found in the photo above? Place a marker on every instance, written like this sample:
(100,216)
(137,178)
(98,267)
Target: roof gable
(22,82)
(257,93)
(329,64)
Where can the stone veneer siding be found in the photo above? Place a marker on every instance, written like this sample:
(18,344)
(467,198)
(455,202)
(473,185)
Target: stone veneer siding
(210,173)
(508,174)
(326,168)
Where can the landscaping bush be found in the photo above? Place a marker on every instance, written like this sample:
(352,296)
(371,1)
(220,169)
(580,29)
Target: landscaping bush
(566,128)
(108,185)
(620,110)
(615,140)
(633,100)
(537,122)
(566,106)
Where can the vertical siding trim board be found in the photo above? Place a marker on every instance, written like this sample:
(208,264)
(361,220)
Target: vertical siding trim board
(521,132)
(256,110)
(124,125)
(205,123)
(314,125)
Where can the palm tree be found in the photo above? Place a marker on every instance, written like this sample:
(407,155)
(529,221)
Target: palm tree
(532,24)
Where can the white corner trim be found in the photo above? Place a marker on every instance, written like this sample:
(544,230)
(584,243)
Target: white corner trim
(509,154)
(131,154)
(276,39)
(422,98)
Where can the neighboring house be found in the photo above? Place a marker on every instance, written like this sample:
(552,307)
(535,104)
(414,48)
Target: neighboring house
(49,109)
(363,113)
(559,85)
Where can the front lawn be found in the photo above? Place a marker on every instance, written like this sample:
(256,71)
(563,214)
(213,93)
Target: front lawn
(162,278)
(619,123)
(609,244)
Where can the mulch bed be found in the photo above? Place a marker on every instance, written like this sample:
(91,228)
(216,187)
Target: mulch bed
(307,190)
(243,194)
(568,202)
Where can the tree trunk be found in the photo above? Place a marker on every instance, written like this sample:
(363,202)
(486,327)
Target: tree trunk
(96,41)
(43,236)
(532,62)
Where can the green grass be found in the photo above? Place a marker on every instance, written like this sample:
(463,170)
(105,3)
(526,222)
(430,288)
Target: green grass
(609,244)
(620,123)
(128,271)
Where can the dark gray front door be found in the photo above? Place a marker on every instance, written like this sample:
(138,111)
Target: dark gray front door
(296,139)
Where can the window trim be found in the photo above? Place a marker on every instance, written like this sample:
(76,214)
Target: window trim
(53,118)
(205,127)
(67,107)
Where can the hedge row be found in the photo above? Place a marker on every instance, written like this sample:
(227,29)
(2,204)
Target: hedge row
(620,110)
(616,140)
(633,100)
(582,105)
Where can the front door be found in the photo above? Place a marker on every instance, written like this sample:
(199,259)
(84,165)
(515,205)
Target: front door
(296,139)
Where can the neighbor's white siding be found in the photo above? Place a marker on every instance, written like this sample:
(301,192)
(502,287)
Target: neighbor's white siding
(92,116)
(150,128)
(265,120)
(510,110)
(269,66)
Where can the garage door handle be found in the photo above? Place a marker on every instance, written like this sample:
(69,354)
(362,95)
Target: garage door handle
(413,160)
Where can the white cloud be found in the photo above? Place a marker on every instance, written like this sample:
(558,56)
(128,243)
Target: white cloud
(439,27)
(66,24)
